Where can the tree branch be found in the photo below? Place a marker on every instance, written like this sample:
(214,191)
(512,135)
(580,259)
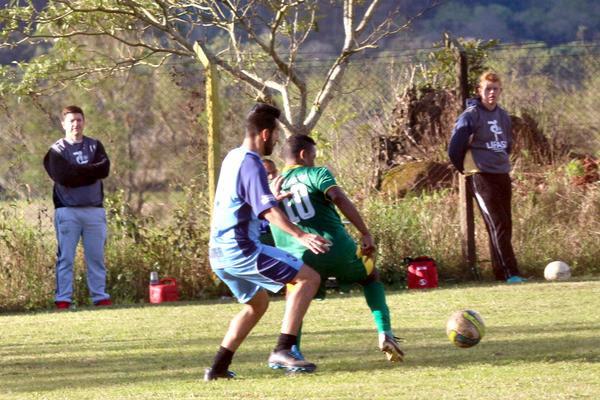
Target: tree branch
(160,29)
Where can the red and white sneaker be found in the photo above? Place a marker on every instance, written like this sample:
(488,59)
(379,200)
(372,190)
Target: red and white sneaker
(105,302)
(62,305)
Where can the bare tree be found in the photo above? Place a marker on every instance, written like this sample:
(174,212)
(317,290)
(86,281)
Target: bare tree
(235,35)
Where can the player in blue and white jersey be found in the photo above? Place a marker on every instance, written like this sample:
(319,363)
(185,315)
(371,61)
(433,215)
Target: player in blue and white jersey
(243,263)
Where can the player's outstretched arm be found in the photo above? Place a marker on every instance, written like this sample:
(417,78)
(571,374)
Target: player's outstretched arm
(315,243)
(348,209)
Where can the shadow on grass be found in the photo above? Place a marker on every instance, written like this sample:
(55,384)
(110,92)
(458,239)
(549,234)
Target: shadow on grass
(103,364)
(561,345)
(119,306)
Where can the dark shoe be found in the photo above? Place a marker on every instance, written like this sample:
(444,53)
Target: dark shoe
(389,345)
(105,302)
(62,305)
(289,361)
(210,375)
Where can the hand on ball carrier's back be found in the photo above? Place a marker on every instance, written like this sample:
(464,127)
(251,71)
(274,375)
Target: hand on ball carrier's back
(275,186)
(315,243)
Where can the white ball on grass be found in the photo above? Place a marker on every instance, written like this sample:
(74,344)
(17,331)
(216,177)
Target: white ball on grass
(557,271)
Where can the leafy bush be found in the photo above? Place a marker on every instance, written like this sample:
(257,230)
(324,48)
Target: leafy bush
(26,259)
(416,226)
(552,220)
(555,220)
(176,248)
(136,245)
(441,71)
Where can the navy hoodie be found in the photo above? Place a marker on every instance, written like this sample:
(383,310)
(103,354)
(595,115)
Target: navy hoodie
(77,170)
(481,140)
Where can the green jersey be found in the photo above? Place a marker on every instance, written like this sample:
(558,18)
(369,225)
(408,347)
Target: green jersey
(312,211)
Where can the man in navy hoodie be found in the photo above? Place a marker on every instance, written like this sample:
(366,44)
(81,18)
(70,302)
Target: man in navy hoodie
(77,164)
(479,147)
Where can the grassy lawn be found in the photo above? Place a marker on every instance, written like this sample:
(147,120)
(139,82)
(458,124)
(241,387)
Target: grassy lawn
(542,342)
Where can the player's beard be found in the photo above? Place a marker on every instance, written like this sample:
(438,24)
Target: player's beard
(269,146)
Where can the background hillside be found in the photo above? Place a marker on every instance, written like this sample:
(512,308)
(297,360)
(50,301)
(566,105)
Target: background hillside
(551,21)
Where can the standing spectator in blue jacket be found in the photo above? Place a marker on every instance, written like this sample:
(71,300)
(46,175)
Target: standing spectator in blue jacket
(479,147)
(77,164)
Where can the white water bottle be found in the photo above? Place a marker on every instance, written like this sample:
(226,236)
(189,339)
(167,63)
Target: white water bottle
(154,278)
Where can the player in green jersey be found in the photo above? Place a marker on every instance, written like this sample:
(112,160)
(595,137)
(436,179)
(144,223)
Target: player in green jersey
(312,207)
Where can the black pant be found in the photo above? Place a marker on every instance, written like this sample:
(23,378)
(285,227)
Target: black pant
(493,195)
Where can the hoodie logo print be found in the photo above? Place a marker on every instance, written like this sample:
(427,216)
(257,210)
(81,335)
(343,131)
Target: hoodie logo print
(497,145)
(80,157)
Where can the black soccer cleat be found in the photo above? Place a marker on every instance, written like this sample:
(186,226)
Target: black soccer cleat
(210,375)
(290,361)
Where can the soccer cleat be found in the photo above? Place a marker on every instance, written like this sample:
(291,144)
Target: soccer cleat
(105,302)
(62,305)
(289,360)
(210,375)
(296,352)
(389,345)
(515,279)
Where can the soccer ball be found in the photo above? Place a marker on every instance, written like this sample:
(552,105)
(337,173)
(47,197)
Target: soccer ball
(465,328)
(557,271)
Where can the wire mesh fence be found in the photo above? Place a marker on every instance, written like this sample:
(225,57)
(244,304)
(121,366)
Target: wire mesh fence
(153,126)
(556,87)
(154,121)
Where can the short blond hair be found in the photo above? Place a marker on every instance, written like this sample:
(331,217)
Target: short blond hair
(489,76)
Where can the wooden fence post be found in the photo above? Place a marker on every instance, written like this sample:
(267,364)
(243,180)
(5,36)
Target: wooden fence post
(467,222)
(213,116)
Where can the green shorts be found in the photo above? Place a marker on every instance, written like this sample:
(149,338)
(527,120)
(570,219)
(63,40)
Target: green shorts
(341,262)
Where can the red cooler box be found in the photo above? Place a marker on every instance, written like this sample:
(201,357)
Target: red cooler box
(422,273)
(165,290)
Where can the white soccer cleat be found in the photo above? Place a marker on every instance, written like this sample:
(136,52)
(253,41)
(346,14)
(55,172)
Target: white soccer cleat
(389,345)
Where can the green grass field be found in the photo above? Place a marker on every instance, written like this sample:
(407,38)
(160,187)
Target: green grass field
(542,342)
